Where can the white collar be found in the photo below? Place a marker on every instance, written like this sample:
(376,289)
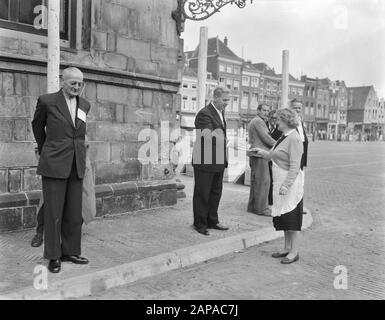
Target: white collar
(67,97)
(289,132)
(216,108)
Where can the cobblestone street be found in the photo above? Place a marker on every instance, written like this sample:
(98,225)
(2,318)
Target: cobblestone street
(344,190)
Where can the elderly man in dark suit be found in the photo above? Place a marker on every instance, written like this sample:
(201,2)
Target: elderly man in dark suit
(59,127)
(260,176)
(209,162)
(296,105)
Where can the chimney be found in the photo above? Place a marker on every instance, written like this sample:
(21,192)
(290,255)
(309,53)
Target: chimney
(225,41)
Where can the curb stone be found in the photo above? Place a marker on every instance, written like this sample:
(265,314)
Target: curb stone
(123,274)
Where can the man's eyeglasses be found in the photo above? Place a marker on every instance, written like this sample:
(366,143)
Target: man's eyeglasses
(74,83)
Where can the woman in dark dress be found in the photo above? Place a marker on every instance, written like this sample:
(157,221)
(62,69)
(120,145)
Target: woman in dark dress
(288,183)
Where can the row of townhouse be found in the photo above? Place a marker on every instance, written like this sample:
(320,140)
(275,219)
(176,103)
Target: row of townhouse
(326,103)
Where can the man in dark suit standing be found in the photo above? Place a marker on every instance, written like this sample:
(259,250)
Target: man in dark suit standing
(260,175)
(296,105)
(209,162)
(59,127)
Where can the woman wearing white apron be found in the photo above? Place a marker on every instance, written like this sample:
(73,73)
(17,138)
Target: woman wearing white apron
(288,183)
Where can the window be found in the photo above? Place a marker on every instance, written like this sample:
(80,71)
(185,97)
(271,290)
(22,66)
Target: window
(245,100)
(254,82)
(194,86)
(222,80)
(245,81)
(229,68)
(235,104)
(254,100)
(185,103)
(229,83)
(185,85)
(25,15)
(221,67)
(193,103)
(312,108)
(300,92)
(236,85)
(237,70)
(293,90)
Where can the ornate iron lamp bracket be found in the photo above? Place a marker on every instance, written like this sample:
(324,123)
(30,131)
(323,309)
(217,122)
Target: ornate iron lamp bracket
(200,10)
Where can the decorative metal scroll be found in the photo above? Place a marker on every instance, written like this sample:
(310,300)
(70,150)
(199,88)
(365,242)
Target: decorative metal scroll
(200,9)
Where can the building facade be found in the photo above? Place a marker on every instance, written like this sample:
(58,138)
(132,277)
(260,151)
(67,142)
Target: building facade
(130,53)
(322,108)
(364,111)
(189,94)
(250,93)
(296,89)
(381,119)
(309,104)
(225,66)
(338,110)
(270,92)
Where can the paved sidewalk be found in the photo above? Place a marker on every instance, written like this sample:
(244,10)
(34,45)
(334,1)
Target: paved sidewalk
(126,248)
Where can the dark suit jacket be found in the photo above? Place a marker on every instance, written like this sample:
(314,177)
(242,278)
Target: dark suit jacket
(275,133)
(58,140)
(305,144)
(210,152)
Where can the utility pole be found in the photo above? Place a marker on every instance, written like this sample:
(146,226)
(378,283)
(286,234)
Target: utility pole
(202,68)
(53,59)
(285,79)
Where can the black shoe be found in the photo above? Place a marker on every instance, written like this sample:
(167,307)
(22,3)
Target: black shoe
(279,254)
(37,240)
(54,266)
(219,227)
(286,260)
(74,259)
(202,231)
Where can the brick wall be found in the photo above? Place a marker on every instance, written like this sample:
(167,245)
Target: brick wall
(132,71)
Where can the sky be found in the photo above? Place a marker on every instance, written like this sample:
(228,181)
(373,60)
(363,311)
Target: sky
(338,39)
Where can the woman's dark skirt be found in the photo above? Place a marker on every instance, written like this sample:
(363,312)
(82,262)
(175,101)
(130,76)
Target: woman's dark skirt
(290,221)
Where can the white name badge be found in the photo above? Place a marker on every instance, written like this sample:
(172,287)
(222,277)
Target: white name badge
(82,115)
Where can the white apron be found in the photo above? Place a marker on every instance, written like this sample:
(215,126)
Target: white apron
(284,204)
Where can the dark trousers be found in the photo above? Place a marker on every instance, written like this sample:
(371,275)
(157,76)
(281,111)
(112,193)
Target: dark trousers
(62,215)
(271,183)
(207,193)
(259,186)
(40,220)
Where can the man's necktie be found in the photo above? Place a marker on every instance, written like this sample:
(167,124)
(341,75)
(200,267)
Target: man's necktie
(279,140)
